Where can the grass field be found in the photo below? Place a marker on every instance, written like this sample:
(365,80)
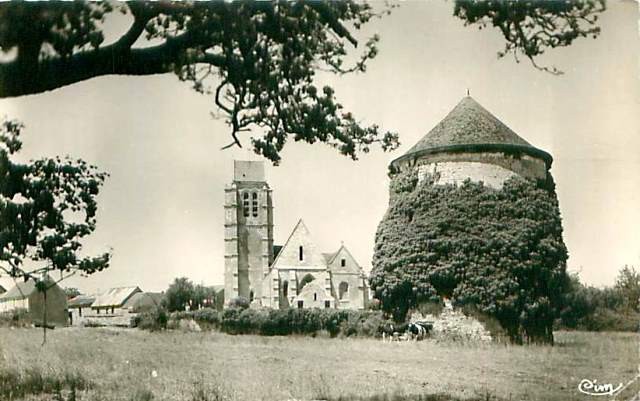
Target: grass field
(137,365)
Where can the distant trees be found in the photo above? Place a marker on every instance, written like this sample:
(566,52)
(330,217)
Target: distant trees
(71,292)
(499,250)
(610,308)
(628,286)
(178,294)
(182,294)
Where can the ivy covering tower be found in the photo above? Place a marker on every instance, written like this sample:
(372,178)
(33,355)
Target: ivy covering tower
(473,216)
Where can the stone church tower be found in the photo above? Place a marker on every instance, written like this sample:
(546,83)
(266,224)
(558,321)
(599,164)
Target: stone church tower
(295,274)
(248,228)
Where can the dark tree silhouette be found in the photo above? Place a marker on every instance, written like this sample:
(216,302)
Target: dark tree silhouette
(256,59)
(47,207)
(533,26)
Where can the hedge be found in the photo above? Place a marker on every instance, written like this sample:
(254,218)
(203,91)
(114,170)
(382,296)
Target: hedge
(274,322)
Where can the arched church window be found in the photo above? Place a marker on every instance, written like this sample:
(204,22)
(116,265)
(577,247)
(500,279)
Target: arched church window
(285,289)
(251,296)
(245,204)
(301,253)
(343,262)
(343,290)
(254,204)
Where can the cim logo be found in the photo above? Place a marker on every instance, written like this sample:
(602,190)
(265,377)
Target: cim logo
(589,387)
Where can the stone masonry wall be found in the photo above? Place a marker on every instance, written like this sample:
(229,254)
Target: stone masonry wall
(491,167)
(456,172)
(452,324)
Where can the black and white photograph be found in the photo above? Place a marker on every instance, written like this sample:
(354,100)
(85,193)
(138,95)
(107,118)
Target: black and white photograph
(305,200)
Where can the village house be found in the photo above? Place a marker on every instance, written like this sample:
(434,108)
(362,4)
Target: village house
(113,300)
(296,274)
(24,295)
(79,302)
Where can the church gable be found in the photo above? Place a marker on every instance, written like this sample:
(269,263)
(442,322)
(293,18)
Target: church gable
(343,262)
(299,252)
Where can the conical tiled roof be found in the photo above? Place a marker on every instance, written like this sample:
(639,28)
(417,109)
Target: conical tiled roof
(470,127)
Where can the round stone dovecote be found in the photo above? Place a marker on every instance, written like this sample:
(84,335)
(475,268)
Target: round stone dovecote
(471,143)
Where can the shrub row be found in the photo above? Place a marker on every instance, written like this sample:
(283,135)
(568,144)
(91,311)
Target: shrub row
(272,322)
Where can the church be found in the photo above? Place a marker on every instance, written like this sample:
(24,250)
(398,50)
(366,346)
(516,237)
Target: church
(296,274)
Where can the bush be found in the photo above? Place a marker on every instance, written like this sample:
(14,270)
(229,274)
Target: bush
(207,318)
(604,319)
(279,322)
(153,320)
(239,303)
(597,309)
(302,321)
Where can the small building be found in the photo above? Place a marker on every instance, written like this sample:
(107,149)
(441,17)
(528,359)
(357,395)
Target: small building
(143,301)
(113,300)
(24,295)
(2,290)
(77,303)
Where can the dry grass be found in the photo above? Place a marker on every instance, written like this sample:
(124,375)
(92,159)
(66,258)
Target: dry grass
(212,366)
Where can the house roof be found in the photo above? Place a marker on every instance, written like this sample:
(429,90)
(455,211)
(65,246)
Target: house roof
(470,127)
(142,299)
(21,290)
(81,301)
(114,297)
(329,256)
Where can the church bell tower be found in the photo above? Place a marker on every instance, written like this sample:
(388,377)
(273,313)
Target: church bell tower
(248,239)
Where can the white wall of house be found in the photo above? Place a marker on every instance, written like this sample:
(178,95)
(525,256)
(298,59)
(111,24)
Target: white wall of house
(8,306)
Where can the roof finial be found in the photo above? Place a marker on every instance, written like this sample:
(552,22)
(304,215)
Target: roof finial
(468,94)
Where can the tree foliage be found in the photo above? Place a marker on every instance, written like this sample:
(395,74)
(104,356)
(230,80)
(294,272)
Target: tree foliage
(602,309)
(182,293)
(179,294)
(628,286)
(500,251)
(531,27)
(257,60)
(47,206)
(71,292)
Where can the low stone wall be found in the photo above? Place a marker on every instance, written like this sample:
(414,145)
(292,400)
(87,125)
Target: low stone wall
(453,325)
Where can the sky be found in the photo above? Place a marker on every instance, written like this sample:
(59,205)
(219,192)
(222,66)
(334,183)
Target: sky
(161,209)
